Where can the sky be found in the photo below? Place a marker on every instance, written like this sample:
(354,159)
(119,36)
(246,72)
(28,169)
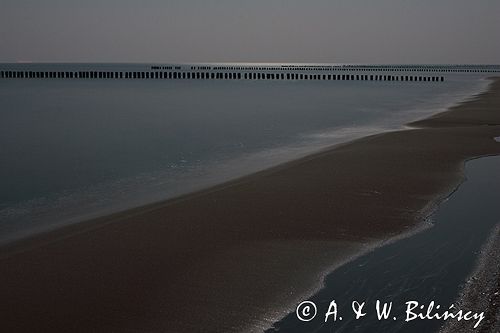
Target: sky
(325,31)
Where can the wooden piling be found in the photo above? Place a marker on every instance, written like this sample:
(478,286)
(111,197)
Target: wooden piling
(238,73)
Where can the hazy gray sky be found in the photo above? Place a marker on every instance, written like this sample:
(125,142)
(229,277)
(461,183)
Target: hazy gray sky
(367,31)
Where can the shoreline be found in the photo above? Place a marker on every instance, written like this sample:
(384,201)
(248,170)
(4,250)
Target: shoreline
(167,264)
(341,284)
(482,289)
(425,222)
(50,218)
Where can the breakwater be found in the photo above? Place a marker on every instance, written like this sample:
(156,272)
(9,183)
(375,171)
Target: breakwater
(289,72)
(213,75)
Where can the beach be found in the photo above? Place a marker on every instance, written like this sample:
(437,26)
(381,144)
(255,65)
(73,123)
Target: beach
(240,255)
(482,290)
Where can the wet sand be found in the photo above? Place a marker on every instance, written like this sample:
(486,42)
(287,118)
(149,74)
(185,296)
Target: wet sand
(240,254)
(482,290)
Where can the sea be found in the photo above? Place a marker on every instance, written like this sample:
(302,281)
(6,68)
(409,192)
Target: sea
(75,149)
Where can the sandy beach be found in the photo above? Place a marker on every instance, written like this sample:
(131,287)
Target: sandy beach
(240,255)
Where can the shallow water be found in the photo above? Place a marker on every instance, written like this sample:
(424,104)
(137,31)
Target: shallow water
(73,149)
(430,266)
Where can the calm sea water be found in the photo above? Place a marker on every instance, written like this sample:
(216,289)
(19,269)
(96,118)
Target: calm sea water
(73,149)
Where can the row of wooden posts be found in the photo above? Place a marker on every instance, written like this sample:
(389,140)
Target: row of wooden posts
(186,75)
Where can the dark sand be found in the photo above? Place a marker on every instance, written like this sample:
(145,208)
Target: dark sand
(230,257)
